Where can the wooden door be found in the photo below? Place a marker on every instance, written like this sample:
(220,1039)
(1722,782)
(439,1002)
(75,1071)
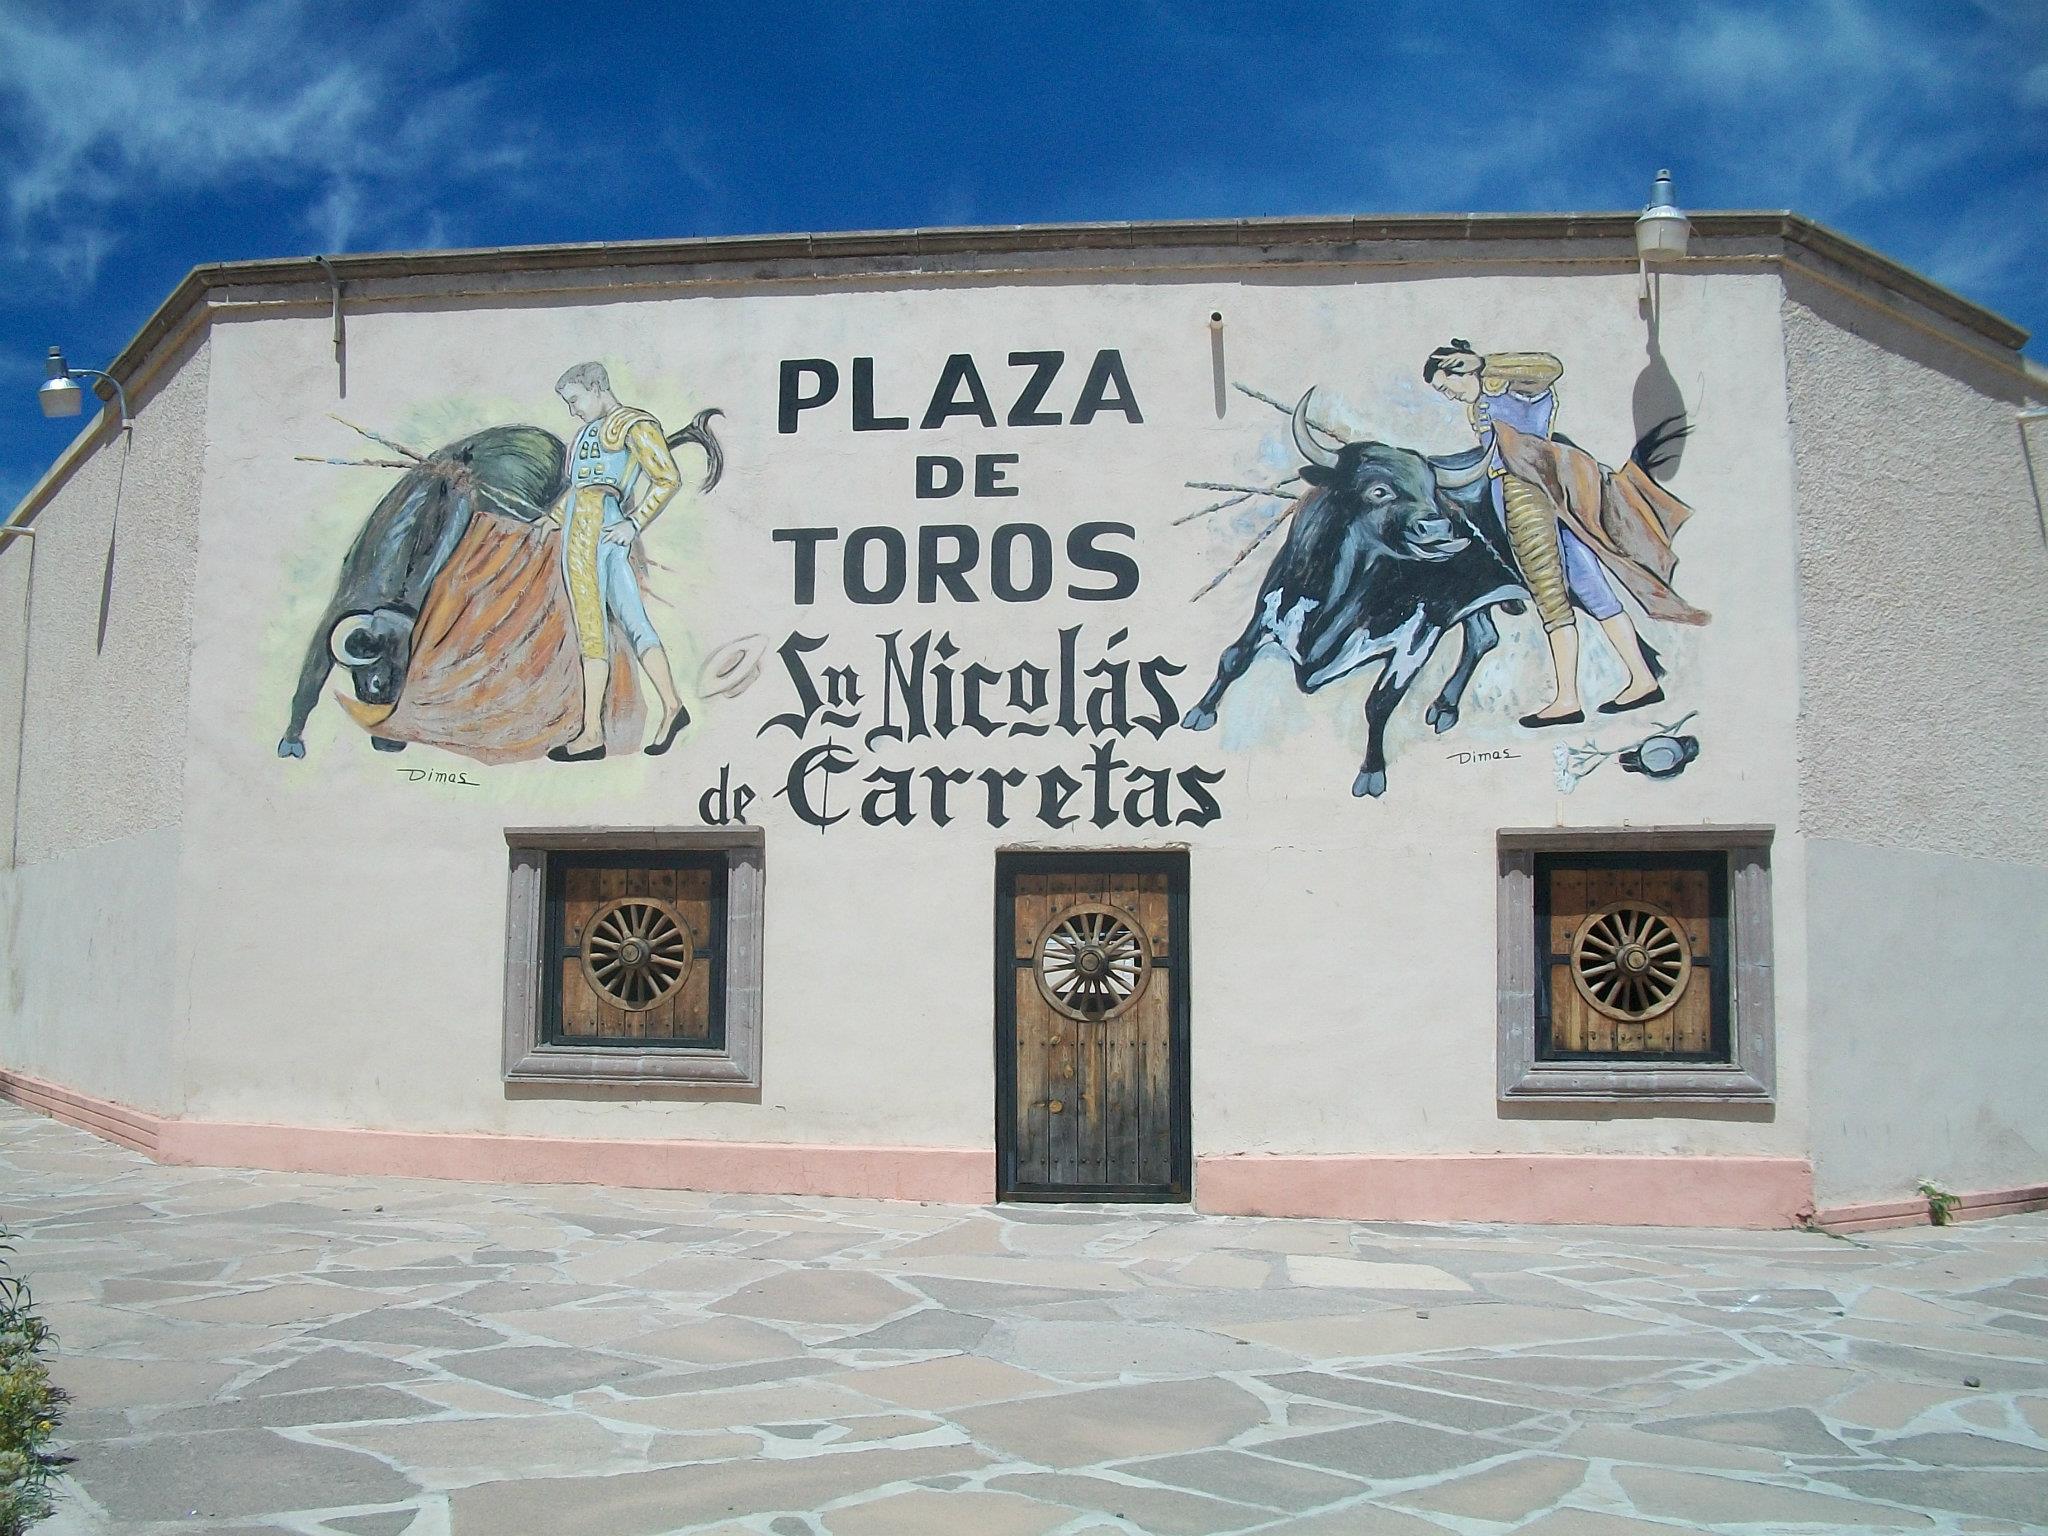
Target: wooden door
(637,945)
(1092,1033)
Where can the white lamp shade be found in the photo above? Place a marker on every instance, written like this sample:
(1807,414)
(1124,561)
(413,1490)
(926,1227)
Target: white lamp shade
(60,397)
(1662,232)
(1662,228)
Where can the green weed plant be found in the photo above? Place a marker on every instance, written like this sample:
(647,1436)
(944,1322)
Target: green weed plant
(31,1407)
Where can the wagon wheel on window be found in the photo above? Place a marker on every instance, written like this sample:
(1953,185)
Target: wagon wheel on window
(1092,961)
(637,952)
(1631,961)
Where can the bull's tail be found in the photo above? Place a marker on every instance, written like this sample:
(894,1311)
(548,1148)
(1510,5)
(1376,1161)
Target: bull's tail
(1657,449)
(1656,662)
(699,432)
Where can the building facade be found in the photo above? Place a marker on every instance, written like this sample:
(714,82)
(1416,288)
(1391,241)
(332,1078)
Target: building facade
(1369,719)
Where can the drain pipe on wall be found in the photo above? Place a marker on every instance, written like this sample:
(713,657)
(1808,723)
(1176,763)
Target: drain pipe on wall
(16,531)
(340,334)
(2026,419)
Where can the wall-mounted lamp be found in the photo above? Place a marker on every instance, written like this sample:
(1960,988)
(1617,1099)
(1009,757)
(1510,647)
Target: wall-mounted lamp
(1662,229)
(62,395)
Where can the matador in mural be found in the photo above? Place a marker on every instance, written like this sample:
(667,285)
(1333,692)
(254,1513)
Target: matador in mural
(1510,398)
(620,475)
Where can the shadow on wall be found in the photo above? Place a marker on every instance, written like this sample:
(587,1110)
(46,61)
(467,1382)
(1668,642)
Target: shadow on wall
(1657,398)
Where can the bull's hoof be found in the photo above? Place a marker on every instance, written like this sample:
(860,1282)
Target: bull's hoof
(386,746)
(1441,715)
(1373,782)
(1198,719)
(291,746)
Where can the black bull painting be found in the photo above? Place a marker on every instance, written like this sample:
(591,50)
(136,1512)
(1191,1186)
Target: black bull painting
(1388,550)
(405,546)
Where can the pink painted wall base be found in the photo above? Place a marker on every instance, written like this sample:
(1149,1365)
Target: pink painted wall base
(953,1175)
(1758,1192)
(1580,1190)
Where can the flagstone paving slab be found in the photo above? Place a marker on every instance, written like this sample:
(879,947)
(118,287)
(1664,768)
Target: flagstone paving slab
(1721,1500)
(1362,1275)
(933,1328)
(386,1357)
(953,1381)
(452,1452)
(1386,1449)
(1245,1478)
(819,1296)
(926,1512)
(1790,1431)
(1156,1511)
(232,1472)
(1457,1412)
(1977,1491)
(1509,1492)
(1358,1520)
(1112,1423)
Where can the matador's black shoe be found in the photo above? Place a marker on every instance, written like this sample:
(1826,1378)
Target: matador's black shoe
(669,732)
(1616,707)
(1537,722)
(588,755)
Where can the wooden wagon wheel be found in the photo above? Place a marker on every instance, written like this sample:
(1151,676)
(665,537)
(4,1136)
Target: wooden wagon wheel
(1092,961)
(1631,961)
(637,952)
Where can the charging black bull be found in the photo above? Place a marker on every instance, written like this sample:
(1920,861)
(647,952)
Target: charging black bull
(1387,551)
(405,544)
(1379,560)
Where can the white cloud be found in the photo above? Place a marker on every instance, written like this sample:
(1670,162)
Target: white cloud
(2033,89)
(106,113)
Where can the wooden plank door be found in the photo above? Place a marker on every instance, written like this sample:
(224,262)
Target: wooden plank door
(1092,1029)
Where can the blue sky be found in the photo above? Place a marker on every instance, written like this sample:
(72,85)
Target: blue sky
(137,140)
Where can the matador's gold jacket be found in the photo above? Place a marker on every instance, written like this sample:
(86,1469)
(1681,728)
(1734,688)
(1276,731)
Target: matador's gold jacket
(620,464)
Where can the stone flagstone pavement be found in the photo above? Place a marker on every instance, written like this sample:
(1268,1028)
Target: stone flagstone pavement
(368,1357)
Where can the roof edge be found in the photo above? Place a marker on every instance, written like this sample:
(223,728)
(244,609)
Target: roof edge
(1794,229)
(171,317)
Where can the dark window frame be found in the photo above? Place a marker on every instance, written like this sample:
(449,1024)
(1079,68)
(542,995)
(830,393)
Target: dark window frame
(1748,1075)
(534,1060)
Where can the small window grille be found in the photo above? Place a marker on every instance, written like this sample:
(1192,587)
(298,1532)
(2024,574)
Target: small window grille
(1635,963)
(635,945)
(634,956)
(1632,945)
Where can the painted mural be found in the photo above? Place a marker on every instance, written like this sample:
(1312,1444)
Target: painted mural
(493,603)
(1388,549)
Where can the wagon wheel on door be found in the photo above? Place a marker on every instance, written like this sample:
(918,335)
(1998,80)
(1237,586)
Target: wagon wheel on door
(1092,961)
(1631,961)
(637,952)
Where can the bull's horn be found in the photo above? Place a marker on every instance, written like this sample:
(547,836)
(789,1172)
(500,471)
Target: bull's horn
(1305,436)
(346,630)
(699,432)
(1458,479)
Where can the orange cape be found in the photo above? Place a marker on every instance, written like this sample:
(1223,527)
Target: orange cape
(1624,514)
(495,672)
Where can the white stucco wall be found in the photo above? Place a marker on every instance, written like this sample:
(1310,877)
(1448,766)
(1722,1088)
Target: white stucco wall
(1929,1046)
(1343,950)
(89,905)
(1923,725)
